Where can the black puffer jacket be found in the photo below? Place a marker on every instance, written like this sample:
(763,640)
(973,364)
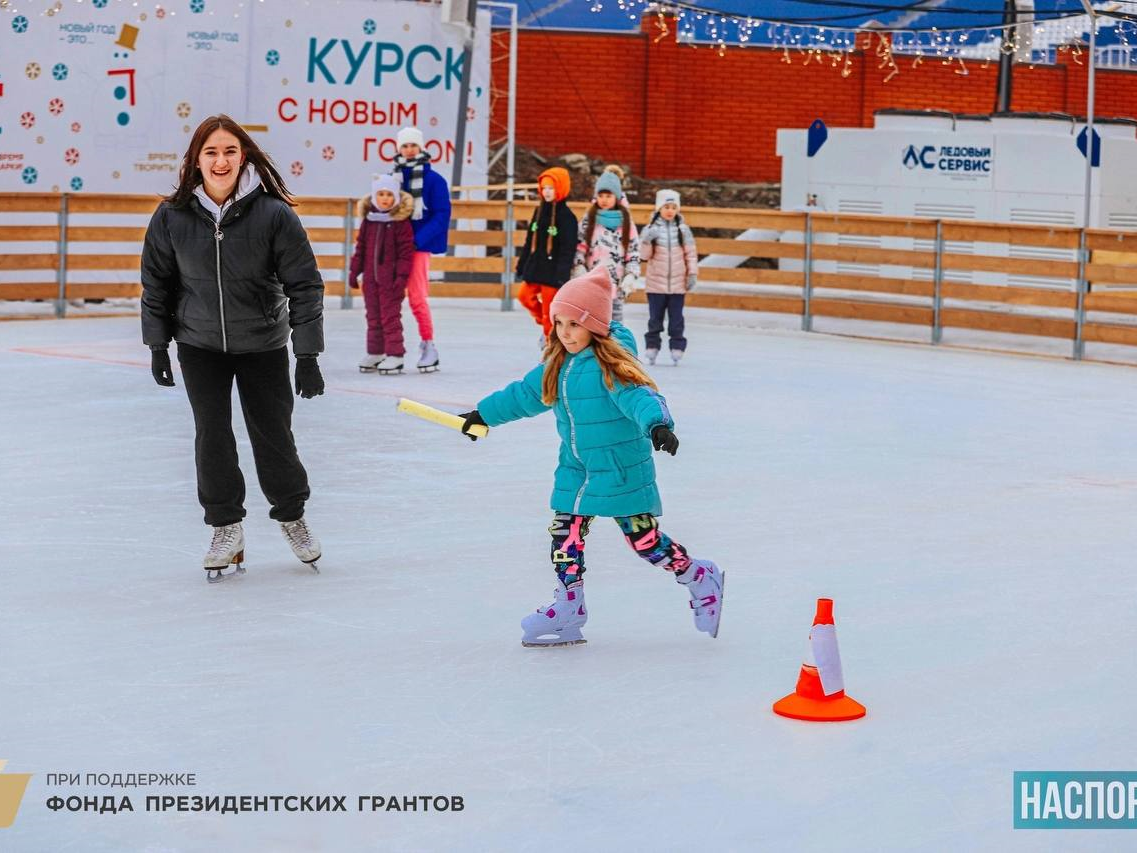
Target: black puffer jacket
(235,287)
(539,265)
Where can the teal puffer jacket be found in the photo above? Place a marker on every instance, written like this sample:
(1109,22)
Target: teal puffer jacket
(605,466)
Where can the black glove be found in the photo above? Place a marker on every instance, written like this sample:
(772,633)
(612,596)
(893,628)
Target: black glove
(309,382)
(662,438)
(471,419)
(160,366)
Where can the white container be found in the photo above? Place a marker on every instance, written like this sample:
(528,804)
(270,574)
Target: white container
(1023,169)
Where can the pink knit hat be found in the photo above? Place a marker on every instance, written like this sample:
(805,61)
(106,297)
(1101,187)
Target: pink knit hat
(586,300)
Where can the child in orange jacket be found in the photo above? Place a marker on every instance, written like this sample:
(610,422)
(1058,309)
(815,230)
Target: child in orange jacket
(545,262)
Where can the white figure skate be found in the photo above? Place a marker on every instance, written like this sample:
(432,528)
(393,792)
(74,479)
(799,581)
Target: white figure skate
(559,623)
(390,365)
(226,549)
(428,357)
(304,545)
(705,583)
(370,363)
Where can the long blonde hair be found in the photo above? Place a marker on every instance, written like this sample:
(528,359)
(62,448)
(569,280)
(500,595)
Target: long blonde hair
(616,363)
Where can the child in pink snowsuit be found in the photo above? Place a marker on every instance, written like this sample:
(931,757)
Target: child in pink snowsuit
(384,252)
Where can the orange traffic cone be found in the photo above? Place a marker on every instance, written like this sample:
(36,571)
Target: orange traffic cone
(820,692)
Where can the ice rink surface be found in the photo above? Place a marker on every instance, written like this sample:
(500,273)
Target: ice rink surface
(972,515)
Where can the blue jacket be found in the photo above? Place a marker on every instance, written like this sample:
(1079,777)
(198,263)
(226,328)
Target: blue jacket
(605,466)
(432,230)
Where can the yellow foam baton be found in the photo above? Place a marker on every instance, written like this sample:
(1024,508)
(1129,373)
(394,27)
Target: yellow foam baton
(429,413)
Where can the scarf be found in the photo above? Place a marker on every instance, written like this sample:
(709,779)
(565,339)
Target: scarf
(612,219)
(414,186)
(377,215)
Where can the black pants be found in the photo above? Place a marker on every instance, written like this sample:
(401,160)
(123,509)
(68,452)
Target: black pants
(265,390)
(657,305)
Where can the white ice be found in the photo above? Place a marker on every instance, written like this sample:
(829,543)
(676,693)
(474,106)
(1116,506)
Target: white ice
(972,515)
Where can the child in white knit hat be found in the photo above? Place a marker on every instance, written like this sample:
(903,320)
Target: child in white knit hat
(431,223)
(668,248)
(609,238)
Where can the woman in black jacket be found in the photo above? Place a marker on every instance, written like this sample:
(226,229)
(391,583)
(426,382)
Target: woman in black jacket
(227,272)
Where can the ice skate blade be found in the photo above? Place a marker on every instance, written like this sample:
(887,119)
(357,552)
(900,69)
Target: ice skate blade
(217,575)
(714,632)
(396,372)
(369,370)
(430,368)
(542,644)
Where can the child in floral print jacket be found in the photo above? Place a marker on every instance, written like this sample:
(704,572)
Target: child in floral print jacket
(608,237)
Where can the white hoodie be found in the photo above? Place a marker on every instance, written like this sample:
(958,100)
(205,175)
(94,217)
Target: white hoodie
(248,182)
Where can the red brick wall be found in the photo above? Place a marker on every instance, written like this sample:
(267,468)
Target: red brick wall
(673,111)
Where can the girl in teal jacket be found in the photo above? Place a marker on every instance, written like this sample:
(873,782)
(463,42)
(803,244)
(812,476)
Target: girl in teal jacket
(609,417)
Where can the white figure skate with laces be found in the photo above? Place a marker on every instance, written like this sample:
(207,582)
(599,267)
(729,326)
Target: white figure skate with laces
(226,549)
(304,545)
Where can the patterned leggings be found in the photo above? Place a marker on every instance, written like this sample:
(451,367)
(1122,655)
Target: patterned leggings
(641,532)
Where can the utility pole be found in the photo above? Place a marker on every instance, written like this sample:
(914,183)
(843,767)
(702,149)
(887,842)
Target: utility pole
(1006,58)
(464,94)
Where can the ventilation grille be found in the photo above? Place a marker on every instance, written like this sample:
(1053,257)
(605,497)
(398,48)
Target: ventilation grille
(850,268)
(848,205)
(1039,281)
(1122,220)
(945,211)
(1027,216)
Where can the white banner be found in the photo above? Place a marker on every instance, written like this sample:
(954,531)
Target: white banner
(102,95)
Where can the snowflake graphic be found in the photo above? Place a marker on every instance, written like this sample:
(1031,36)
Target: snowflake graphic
(19,24)
(329,152)
(32,70)
(55,106)
(98,4)
(197,6)
(297,168)
(27,120)
(76,127)
(71,156)
(369,27)
(183,110)
(272,57)
(76,183)
(59,71)
(30,175)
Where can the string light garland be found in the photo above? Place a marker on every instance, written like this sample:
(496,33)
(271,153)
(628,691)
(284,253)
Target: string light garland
(818,38)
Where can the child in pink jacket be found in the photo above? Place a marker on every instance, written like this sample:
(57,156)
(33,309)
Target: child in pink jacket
(668,248)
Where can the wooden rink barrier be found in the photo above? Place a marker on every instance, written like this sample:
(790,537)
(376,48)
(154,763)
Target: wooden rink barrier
(1019,279)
